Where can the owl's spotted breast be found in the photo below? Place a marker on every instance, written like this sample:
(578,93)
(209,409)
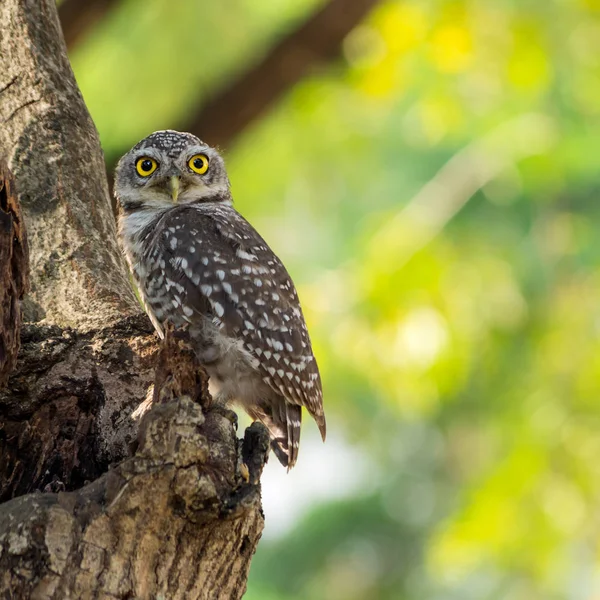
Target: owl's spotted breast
(203,264)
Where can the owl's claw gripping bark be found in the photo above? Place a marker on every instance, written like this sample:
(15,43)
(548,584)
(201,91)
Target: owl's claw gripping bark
(255,450)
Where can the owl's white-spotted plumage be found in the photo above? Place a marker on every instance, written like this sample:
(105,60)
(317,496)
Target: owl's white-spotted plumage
(198,262)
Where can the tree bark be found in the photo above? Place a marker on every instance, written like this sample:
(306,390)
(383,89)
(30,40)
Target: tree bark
(118,480)
(179,519)
(78,276)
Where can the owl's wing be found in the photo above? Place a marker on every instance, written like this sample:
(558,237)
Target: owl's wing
(223,269)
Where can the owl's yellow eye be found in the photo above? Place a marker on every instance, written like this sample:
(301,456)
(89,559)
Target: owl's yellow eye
(198,163)
(145,166)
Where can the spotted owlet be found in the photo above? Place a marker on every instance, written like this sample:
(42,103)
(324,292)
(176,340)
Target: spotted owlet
(198,262)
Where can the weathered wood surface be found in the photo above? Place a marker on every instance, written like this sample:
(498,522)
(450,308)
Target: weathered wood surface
(179,519)
(78,276)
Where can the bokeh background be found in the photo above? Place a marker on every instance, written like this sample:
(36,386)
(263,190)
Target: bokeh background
(432,185)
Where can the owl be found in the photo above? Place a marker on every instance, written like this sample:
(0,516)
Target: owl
(198,263)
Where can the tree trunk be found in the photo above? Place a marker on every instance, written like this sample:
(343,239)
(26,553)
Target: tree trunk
(117,482)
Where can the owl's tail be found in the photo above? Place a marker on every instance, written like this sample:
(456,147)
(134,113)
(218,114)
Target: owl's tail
(283,420)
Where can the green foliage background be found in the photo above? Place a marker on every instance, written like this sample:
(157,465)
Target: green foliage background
(457,325)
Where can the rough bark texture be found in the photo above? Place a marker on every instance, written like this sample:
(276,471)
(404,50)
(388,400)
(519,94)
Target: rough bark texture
(78,278)
(176,520)
(14,272)
(110,489)
(67,412)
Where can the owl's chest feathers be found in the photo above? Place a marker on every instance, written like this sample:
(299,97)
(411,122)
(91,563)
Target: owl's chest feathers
(233,374)
(132,227)
(147,263)
(231,368)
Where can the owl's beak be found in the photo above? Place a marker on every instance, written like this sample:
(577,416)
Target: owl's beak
(174,187)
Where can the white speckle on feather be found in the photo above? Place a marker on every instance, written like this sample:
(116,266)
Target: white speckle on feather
(245,255)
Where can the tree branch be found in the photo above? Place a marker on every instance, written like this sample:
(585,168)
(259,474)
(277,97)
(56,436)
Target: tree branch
(317,40)
(77,17)
(441,198)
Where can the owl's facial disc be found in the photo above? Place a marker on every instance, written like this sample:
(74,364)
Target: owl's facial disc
(171,167)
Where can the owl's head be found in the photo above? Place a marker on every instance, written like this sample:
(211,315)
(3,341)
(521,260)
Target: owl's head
(170,167)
